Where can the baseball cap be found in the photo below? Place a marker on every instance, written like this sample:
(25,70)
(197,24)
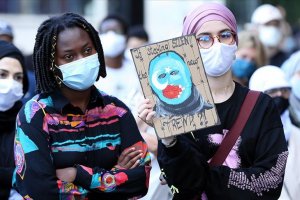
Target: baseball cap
(267,78)
(5,29)
(265,13)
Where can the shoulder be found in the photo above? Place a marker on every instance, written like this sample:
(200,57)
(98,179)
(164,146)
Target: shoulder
(113,103)
(35,108)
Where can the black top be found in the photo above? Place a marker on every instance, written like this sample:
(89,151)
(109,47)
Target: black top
(7,135)
(254,168)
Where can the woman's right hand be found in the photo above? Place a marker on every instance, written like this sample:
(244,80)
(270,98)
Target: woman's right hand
(145,112)
(129,158)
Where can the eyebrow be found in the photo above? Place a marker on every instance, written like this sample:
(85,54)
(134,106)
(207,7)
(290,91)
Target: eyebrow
(208,33)
(70,50)
(19,73)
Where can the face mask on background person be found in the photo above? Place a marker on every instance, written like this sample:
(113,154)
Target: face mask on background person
(242,68)
(281,103)
(127,55)
(218,58)
(113,43)
(270,36)
(11,91)
(80,74)
(295,83)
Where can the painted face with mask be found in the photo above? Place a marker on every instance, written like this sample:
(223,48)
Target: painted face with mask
(170,78)
(11,83)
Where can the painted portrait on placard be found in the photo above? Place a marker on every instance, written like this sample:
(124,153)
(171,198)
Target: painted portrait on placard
(171,74)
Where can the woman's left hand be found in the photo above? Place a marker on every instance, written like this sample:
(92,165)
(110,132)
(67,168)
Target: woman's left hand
(66,174)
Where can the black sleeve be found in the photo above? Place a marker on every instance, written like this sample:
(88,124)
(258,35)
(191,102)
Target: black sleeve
(187,170)
(6,177)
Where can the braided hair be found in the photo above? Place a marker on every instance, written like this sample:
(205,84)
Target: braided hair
(45,48)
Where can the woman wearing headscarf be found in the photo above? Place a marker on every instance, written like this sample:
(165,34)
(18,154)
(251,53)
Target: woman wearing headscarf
(254,168)
(13,86)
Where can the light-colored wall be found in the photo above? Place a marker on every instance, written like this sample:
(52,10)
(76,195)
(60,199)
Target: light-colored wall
(163,20)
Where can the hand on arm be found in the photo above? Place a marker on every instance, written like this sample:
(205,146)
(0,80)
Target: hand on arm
(129,158)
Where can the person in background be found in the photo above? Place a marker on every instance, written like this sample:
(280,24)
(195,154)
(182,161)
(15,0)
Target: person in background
(73,141)
(31,77)
(6,32)
(113,33)
(272,81)
(137,37)
(289,43)
(291,186)
(254,168)
(13,86)
(268,21)
(291,67)
(250,55)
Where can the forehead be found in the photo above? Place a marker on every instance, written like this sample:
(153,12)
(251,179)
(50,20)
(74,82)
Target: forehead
(134,42)
(72,38)
(213,27)
(111,25)
(10,64)
(249,51)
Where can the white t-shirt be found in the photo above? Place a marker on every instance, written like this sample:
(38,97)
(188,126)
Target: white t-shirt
(122,83)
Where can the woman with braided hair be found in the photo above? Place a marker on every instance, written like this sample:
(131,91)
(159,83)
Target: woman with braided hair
(73,141)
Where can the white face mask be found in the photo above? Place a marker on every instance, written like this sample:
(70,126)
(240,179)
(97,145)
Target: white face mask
(10,92)
(270,36)
(81,74)
(113,44)
(218,58)
(127,55)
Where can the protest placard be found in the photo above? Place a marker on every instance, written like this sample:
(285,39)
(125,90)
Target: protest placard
(172,76)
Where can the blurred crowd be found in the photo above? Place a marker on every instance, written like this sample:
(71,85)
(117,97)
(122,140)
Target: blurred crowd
(267,60)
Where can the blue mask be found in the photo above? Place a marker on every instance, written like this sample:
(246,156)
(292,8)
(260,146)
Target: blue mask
(242,68)
(170,78)
(81,74)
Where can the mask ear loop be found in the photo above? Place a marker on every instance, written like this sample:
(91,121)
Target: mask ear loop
(53,67)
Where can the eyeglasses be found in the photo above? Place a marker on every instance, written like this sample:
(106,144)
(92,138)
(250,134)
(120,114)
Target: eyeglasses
(207,40)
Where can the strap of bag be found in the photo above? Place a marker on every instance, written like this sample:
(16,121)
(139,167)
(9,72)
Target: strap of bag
(236,129)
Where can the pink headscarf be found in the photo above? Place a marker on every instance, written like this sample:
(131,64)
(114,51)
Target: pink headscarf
(208,12)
